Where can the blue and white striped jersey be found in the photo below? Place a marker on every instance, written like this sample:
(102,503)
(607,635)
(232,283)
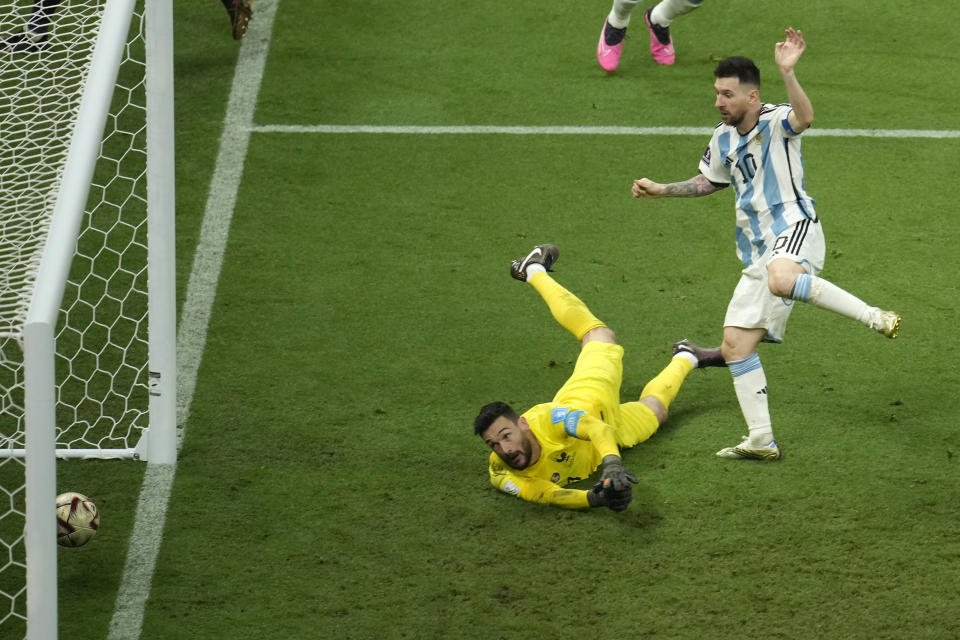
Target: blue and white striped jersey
(765,168)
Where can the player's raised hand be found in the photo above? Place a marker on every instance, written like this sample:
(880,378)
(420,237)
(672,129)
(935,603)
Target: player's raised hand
(787,53)
(647,188)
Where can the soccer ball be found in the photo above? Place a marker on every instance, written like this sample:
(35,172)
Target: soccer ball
(77,519)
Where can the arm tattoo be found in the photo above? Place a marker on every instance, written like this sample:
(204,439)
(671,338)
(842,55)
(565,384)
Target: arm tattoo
(693,188)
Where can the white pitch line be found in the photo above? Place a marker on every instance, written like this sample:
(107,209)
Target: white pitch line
(577,130)
(147,535)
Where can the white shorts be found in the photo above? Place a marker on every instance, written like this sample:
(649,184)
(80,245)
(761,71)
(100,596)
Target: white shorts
(752,305)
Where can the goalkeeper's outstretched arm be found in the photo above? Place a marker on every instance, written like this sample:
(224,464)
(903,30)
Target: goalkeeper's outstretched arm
(544,492)
(606,493)
(603,494)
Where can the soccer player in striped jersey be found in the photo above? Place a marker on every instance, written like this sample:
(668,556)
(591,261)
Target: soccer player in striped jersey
(536,454)
(779,237)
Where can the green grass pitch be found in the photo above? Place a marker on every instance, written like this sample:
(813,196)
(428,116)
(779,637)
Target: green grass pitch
(330,485)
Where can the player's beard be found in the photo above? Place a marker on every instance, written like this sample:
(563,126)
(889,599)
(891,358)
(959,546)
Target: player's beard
(527,453)
(731,119)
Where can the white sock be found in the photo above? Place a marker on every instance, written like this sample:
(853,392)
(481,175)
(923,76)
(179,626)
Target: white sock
(534,267)
(750,383)
(690,357)
(665,11)
(823,293)
(619,16)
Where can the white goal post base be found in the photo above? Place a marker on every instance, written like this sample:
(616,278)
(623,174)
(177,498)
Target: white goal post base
(140,452)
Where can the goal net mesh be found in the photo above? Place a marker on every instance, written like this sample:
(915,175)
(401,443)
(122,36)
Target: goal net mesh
(101,343)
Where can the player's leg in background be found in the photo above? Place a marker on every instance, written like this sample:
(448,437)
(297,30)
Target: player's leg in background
(37,30)
(658,21)
(614,31)
(240,12)
(666,10)
(640,419)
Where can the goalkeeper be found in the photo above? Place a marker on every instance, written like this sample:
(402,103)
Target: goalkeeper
(538,453)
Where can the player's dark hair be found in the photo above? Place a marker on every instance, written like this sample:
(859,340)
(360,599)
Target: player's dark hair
(489,413)
(739,67)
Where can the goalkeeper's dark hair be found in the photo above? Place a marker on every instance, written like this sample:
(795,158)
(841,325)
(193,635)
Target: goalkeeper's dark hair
(739,67)
(489,413)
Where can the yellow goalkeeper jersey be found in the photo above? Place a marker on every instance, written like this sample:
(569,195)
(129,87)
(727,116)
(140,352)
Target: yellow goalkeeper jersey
(572,442)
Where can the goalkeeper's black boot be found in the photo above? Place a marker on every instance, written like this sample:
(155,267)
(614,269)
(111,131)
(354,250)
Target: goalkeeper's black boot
(240,13)
(545,254)
(705,357)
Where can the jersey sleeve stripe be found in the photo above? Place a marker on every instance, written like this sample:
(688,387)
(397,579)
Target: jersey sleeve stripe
(571,421)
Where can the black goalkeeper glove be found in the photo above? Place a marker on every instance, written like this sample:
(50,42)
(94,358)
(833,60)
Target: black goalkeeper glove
(614,490)
(615,477)
(613,499)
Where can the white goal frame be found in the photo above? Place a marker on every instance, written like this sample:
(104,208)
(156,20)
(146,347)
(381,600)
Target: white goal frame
(158,444)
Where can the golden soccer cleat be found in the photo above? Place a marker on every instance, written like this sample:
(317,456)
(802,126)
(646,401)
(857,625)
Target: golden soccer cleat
(889,324)
(746,451)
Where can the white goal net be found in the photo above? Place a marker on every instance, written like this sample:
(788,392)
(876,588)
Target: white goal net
(53,56)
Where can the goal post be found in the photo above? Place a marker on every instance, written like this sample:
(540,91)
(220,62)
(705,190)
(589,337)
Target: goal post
(40,529)
(87,272)
(161,240)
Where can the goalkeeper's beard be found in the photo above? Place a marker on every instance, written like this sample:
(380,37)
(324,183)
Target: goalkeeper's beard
(524,455)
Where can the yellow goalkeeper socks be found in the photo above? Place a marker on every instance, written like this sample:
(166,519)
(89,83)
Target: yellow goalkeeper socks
(572,314)
(667,384)
(638,421)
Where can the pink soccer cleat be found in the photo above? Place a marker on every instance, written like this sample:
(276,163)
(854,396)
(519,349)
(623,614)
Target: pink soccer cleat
(609,56)
(661,44)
